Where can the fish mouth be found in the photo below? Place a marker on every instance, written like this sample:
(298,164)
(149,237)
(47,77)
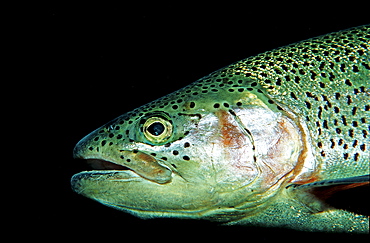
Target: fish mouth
(136,163)
(100,164)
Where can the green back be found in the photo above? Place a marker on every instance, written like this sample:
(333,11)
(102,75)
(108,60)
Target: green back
(326,81)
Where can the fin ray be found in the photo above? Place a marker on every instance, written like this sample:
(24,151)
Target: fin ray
(333,182)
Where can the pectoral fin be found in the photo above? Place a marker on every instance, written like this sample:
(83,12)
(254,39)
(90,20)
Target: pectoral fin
(349,193)
(357,181)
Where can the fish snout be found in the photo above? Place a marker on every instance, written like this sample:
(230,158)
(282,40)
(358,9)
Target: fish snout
(143,164)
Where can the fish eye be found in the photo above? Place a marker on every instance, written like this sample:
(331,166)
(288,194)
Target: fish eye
(157,129)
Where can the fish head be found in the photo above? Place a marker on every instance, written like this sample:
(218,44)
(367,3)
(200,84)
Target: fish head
(188,154)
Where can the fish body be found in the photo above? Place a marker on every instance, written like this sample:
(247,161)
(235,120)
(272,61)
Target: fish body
(248,144)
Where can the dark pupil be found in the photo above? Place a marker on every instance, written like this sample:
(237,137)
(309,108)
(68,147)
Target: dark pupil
(156,128)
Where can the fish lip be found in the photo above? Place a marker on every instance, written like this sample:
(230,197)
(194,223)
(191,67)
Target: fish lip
(97,162)
(100,164)
(80,181)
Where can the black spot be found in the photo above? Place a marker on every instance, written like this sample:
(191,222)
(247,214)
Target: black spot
(308,104)
(319,144)
(342,67)
(322,153)
(351,133)
(313,75)
(355,143)
(122,157)
(278,81)
(320,113)
(103,142)
(349,99)
(297,79)
(355,123)
(128,160)
(332,143)
(186,145)
(239,103)
(348,82)
(345,155)
(226,105)
(293,96)
(338,130)
(355,68)
(364,133)
(367,66)
(355,157)
(325,124)
(363,147)
(111,135)
(336,109)
(217,105)
(192,104)
(91,148)
(310,95)
(96,138)
(175,152)
(337,95)
(186,157)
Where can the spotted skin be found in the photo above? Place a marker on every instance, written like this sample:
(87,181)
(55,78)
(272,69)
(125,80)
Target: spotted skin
(233,141)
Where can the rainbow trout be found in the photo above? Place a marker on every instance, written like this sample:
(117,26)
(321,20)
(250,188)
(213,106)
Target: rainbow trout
(266,141)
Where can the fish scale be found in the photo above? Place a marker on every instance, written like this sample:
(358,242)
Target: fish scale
(245,142)
(305,80)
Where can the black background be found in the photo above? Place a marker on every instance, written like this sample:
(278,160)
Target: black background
(81,65)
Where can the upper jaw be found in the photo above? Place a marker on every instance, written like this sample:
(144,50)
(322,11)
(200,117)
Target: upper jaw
(140,163)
